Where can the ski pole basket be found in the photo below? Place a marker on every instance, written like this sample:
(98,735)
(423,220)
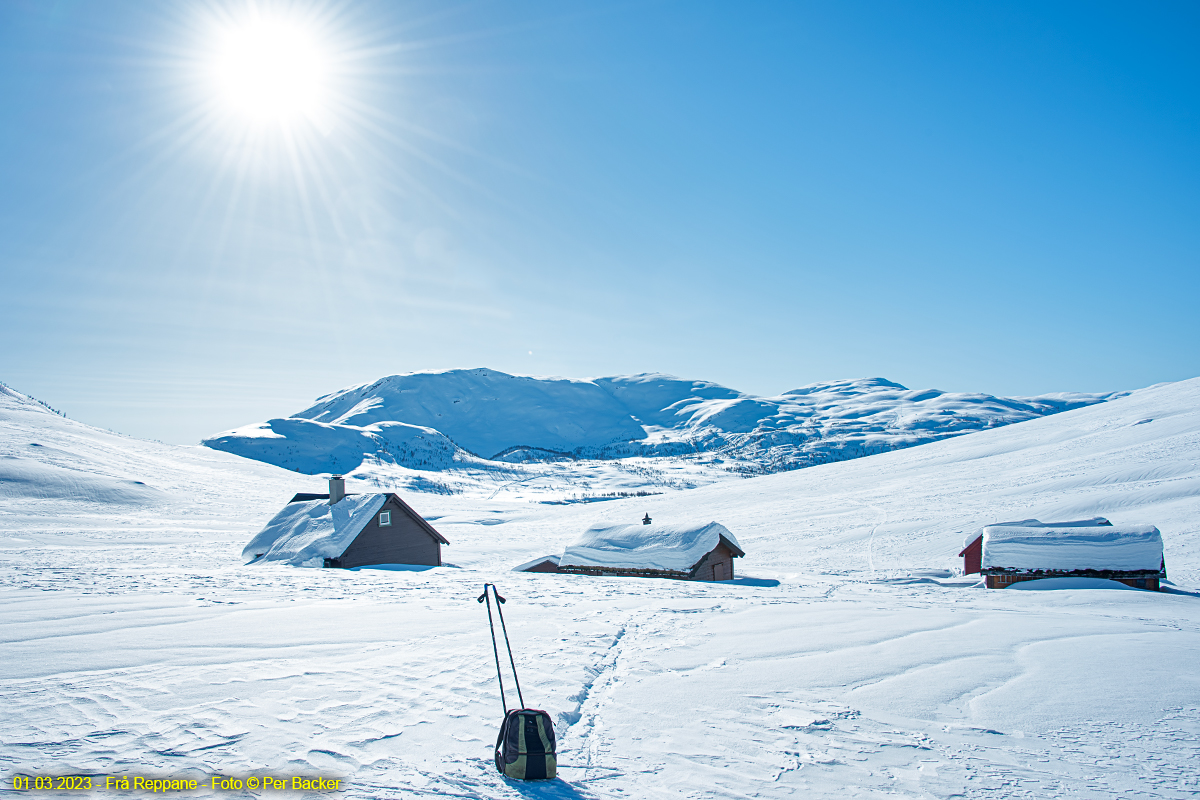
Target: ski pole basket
(525,748)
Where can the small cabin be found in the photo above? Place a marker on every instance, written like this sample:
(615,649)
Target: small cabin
(543,564)
(688,551)
(341,530)
(1013,552)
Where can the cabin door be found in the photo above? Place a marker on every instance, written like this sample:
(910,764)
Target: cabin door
(719,571)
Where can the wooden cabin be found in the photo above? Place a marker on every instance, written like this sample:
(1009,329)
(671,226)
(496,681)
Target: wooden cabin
(1014,552)
(346,531)
(687,551)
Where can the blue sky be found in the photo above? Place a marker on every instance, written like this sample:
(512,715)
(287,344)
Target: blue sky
(996,197)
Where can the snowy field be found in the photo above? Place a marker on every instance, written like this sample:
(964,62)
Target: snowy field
(846,660)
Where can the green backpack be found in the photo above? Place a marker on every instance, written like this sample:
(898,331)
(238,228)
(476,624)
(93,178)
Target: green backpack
(525,746)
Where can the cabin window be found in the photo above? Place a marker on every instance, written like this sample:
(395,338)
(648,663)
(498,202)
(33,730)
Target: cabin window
(385,519)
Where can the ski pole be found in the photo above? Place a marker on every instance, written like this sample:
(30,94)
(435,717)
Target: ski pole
(500,600)
(482,598)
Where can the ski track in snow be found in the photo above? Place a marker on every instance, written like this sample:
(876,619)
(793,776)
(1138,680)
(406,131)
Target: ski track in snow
(134,642)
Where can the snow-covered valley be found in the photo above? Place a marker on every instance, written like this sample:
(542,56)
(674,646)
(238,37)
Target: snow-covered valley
(847,659)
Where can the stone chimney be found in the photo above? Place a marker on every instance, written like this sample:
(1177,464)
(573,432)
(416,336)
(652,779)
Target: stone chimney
(337,488)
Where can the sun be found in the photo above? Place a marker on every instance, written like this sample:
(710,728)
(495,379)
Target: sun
(271,70)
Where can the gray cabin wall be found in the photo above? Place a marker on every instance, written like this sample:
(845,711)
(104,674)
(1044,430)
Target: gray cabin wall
(717,565)
(543,566)
(403,542)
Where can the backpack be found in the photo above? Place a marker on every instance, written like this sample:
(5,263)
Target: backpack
(525,746)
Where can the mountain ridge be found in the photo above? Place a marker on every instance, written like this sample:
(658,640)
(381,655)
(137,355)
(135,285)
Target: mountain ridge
(443,420)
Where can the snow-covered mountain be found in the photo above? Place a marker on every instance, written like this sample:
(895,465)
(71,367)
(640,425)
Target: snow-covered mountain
(464,418)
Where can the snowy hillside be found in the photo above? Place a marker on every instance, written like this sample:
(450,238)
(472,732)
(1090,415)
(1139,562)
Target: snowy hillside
(53,467)
(845,661)
(468,419)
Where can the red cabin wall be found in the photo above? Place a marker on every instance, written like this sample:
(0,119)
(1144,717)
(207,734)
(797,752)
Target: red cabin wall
(972,556)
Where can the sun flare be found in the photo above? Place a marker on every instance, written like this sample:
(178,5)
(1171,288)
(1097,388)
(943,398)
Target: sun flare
(271,70)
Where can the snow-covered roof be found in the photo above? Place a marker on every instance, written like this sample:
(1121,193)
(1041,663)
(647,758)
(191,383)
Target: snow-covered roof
(675,548)
(535,562)
(1132,548)
(1092,522)
(308,532)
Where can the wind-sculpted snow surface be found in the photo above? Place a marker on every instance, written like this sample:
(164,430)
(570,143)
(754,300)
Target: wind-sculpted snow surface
(421,420)
(847,661)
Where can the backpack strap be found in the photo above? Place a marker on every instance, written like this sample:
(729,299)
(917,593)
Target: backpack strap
(500,739)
